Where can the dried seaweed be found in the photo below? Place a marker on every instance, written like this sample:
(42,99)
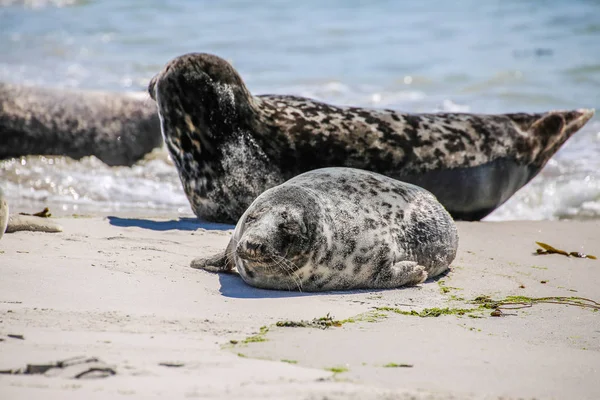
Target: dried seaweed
(547,249)
(45,213)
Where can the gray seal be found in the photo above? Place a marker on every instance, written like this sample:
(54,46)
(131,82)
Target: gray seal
(339,229)
(229,146)
(118,128)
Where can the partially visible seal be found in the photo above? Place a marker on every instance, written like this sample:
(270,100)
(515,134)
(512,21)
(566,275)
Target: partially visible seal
(15,223)
(3,213)
(229,146)
(337,229)
(117,128)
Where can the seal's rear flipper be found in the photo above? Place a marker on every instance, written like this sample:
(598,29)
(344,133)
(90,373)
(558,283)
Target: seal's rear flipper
(402,273)
(217,263)
(547,132)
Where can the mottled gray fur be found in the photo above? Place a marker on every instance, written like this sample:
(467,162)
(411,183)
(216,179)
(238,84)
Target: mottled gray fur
(337,229)
(471,163)
(117,128)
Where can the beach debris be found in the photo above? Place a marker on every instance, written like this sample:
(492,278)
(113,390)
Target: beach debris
(171,364)
(337,370)
(13,336)
(31,223)
(497,313)
(517,302)
(432,312)
(321,323)
(394,365)
(45,213)
(80,367)
(547,249)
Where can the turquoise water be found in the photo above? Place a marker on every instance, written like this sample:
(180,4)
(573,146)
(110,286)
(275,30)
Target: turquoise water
(476,56)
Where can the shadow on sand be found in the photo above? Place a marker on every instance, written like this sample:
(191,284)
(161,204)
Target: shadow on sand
(183,224)
(233,286)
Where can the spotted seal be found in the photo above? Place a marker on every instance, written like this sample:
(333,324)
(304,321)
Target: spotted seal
(229,146)
(337,229)
(118,128)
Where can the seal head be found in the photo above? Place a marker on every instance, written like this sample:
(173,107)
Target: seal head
(276,235)
(206,116)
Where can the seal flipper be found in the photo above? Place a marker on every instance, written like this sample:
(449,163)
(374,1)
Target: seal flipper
(402,273)
(220,262)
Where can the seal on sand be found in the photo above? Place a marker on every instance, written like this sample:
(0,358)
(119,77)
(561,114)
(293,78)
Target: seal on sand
(117,128)
(3,213)
(336,229)
(17,223)
(229,146)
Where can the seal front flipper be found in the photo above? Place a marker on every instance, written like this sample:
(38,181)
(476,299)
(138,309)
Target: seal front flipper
(220,262)
(402,273)
(216,263)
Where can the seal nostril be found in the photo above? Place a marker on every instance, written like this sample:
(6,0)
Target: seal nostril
(250,250)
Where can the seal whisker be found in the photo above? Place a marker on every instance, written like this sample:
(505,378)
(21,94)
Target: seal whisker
(280,264)
(291,270)
(285,269)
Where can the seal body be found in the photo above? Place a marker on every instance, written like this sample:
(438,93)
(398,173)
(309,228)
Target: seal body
(3,213)
(230,146)
(117,128)
(339,228)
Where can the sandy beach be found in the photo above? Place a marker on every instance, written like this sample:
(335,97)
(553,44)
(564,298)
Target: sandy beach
(121,290)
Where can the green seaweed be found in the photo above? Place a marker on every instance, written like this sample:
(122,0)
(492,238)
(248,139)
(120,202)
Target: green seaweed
(259,337)
(289,361)
(321,323)
(446,289)
(431,312)
(516,302)
(328,321)
(394,365)
(337,370)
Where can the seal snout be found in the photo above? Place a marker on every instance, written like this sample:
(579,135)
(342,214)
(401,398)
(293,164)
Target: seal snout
(252,249)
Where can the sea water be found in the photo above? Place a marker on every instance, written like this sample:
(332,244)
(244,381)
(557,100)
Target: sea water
(491,56)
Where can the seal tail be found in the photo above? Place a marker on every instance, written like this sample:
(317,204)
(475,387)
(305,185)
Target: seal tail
(547,132)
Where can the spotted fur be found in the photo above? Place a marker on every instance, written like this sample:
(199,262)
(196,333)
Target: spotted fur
(338,229)
(229,146)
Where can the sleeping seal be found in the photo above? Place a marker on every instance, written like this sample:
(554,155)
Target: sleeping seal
(229,146)
(337,229)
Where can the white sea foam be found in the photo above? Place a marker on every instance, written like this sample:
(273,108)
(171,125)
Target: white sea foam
(568,187)
(150,187)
